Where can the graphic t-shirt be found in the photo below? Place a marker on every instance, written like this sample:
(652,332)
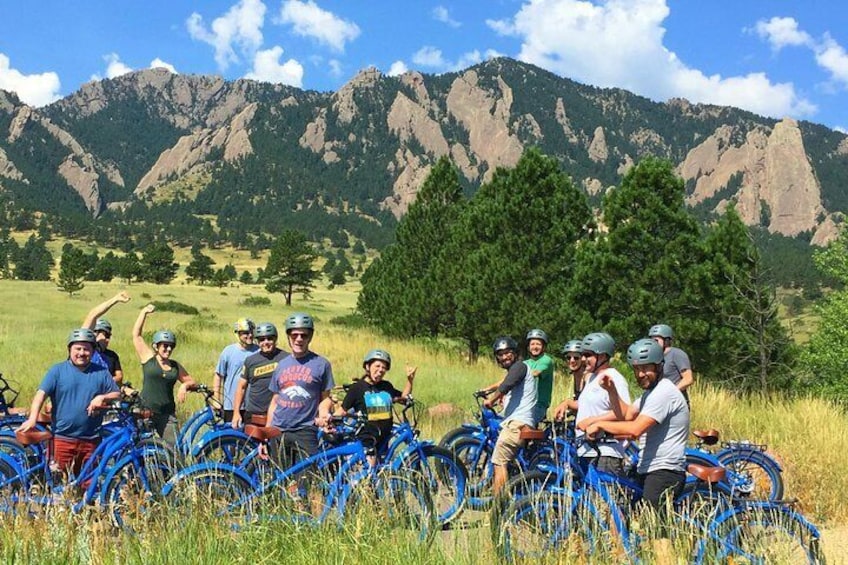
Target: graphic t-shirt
(374,400)
(71,390)
(258,369)
(298,384)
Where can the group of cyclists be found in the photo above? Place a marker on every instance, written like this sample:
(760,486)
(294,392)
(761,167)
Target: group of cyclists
(658,419)
(255,381)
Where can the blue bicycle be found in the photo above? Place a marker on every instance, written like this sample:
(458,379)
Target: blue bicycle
(337,482)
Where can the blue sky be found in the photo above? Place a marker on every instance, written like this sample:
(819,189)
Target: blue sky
(773,57)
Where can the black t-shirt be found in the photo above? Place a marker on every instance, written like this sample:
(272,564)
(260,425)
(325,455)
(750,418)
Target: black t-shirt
(258,369)
(374,400)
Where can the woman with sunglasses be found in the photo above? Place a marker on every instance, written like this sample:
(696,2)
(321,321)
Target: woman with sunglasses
(573,354)
(160,374)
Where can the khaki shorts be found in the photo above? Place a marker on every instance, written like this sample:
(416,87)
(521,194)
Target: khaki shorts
(508,444)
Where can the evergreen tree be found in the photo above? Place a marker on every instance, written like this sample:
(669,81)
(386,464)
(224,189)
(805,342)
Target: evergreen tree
(510,254)
(825,358)
(636,274)
(157,263)
(246,277)
(129,268)
(72,270)
(403,290)
(734,314)
(6,251)
(289,268)
(33,261)
(106,269)
(200,268)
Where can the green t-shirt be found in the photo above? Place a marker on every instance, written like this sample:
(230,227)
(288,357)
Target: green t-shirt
(543,369)
(157,392)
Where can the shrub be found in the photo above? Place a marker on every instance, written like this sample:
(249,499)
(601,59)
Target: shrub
(177,307)
(256,301)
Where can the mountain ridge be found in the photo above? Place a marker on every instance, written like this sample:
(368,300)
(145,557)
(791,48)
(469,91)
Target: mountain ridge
(365,149)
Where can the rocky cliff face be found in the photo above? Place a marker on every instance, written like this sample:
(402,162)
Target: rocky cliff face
(777,185)
(483,118)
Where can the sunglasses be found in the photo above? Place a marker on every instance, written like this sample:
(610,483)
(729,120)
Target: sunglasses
(589,354)
(107,335)
(574,357)
(296,335)
(166,345)
(266,338)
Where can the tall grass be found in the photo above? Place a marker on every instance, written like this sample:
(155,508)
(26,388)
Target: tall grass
(808,435)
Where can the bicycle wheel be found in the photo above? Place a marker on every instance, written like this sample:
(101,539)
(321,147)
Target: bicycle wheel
(752,474)
(399,502)
(234,450)
(452,436)
(533,527)
(212,490)
(761,534)
(473,453)
(446,477)
(133,491)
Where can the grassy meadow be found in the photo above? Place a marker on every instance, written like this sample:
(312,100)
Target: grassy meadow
(809,436)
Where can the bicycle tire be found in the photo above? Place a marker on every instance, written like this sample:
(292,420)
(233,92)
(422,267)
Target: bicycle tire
(766,533)
(212,490)
(229,449)
(446,476)
(455,434)
(477,459)
(399,502)
(754,475)
(532,527)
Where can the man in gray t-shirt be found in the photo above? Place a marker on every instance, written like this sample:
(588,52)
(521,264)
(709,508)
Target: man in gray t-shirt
(676,367)
(660,418)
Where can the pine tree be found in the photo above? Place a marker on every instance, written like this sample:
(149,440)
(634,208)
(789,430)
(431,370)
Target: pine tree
(33,261)
(636,274)
(402,290)
(289,268)
(72,270)
(200,268)
(510,254)
(157,263)
(129,268)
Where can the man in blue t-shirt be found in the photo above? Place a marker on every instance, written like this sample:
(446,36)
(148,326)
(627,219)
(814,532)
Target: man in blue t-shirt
(301,385)
(230,364)
(76,388)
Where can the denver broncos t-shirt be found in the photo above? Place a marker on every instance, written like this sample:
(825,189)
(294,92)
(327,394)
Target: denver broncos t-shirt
(298,384)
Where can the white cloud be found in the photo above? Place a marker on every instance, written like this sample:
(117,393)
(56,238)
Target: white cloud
(241,27)
(267,68)
(619,43)
(158,63)
(309,20)
(397,68)
(429,56)
(33,90)
(441,14)
(114,66)
(841,129)
(335,67)
(832,57)
(781,32)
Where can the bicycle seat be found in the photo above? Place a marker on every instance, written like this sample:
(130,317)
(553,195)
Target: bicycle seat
(261,433)
(258,419)
(709,437)
(531,434)
(706,474)
(31,437)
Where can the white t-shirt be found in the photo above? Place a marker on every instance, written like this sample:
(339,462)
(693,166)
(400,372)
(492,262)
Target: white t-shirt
(594,401)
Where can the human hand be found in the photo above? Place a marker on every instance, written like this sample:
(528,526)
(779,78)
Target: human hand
(181,394)
(236,421)
(410,372)
(122,296)
(149,309)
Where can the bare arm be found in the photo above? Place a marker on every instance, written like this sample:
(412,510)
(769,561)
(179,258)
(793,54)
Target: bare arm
(217,385)
(101,399)
(185,382)
(623,430)
(118,376)
(142,349)
(241,386)
(686,379)
(410,378)
(34,409)
(102,308)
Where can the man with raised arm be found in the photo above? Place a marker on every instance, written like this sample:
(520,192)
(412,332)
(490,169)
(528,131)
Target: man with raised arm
(103,332)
